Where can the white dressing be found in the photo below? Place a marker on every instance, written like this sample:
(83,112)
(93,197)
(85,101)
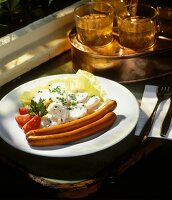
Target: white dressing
(93,103)
(77,111)
(63,106)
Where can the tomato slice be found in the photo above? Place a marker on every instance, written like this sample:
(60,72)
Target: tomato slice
(22,111)
(23,119)
(32,124)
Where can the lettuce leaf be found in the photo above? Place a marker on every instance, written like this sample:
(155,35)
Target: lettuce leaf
(86,81)
(82,81)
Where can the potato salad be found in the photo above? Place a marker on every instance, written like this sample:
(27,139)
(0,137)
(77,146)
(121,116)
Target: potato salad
(63,106)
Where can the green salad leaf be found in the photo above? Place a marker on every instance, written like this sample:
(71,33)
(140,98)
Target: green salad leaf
(82,81)
(37,108)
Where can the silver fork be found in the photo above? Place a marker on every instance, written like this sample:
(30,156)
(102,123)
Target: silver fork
(163,93)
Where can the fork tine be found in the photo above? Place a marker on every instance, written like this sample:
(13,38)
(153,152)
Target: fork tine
(165,88)
(164,91)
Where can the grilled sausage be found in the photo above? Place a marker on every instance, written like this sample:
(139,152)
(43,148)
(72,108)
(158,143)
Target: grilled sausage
(66,137)
(75,124)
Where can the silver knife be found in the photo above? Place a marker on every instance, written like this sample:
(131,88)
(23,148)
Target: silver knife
(167,120)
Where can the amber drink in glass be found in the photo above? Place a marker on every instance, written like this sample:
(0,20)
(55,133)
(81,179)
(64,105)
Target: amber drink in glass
(94,23)
(164,9)
(117,4)
(137,26)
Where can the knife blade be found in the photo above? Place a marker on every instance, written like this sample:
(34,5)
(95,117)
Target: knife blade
(167,120)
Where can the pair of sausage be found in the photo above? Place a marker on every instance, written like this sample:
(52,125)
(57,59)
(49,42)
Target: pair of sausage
(75,130)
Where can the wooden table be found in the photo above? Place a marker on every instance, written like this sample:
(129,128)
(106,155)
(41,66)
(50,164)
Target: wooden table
(110,182)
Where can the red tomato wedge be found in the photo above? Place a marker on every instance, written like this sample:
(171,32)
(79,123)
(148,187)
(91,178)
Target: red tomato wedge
(23,119)
(32,124)
(22,111)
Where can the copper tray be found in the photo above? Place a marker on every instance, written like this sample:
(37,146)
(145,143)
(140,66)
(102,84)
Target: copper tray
(123,65)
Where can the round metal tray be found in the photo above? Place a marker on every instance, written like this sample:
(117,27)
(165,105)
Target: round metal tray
(123,65)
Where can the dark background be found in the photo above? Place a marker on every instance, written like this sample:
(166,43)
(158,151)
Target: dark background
(15,14)
(150,178)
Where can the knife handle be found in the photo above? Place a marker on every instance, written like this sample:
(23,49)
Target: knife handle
(148,125)
(167,120)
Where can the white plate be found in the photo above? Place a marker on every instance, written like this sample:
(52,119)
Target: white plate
(127,116)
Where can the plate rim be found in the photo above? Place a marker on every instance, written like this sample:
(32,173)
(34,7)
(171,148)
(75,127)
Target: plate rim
(33,152)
